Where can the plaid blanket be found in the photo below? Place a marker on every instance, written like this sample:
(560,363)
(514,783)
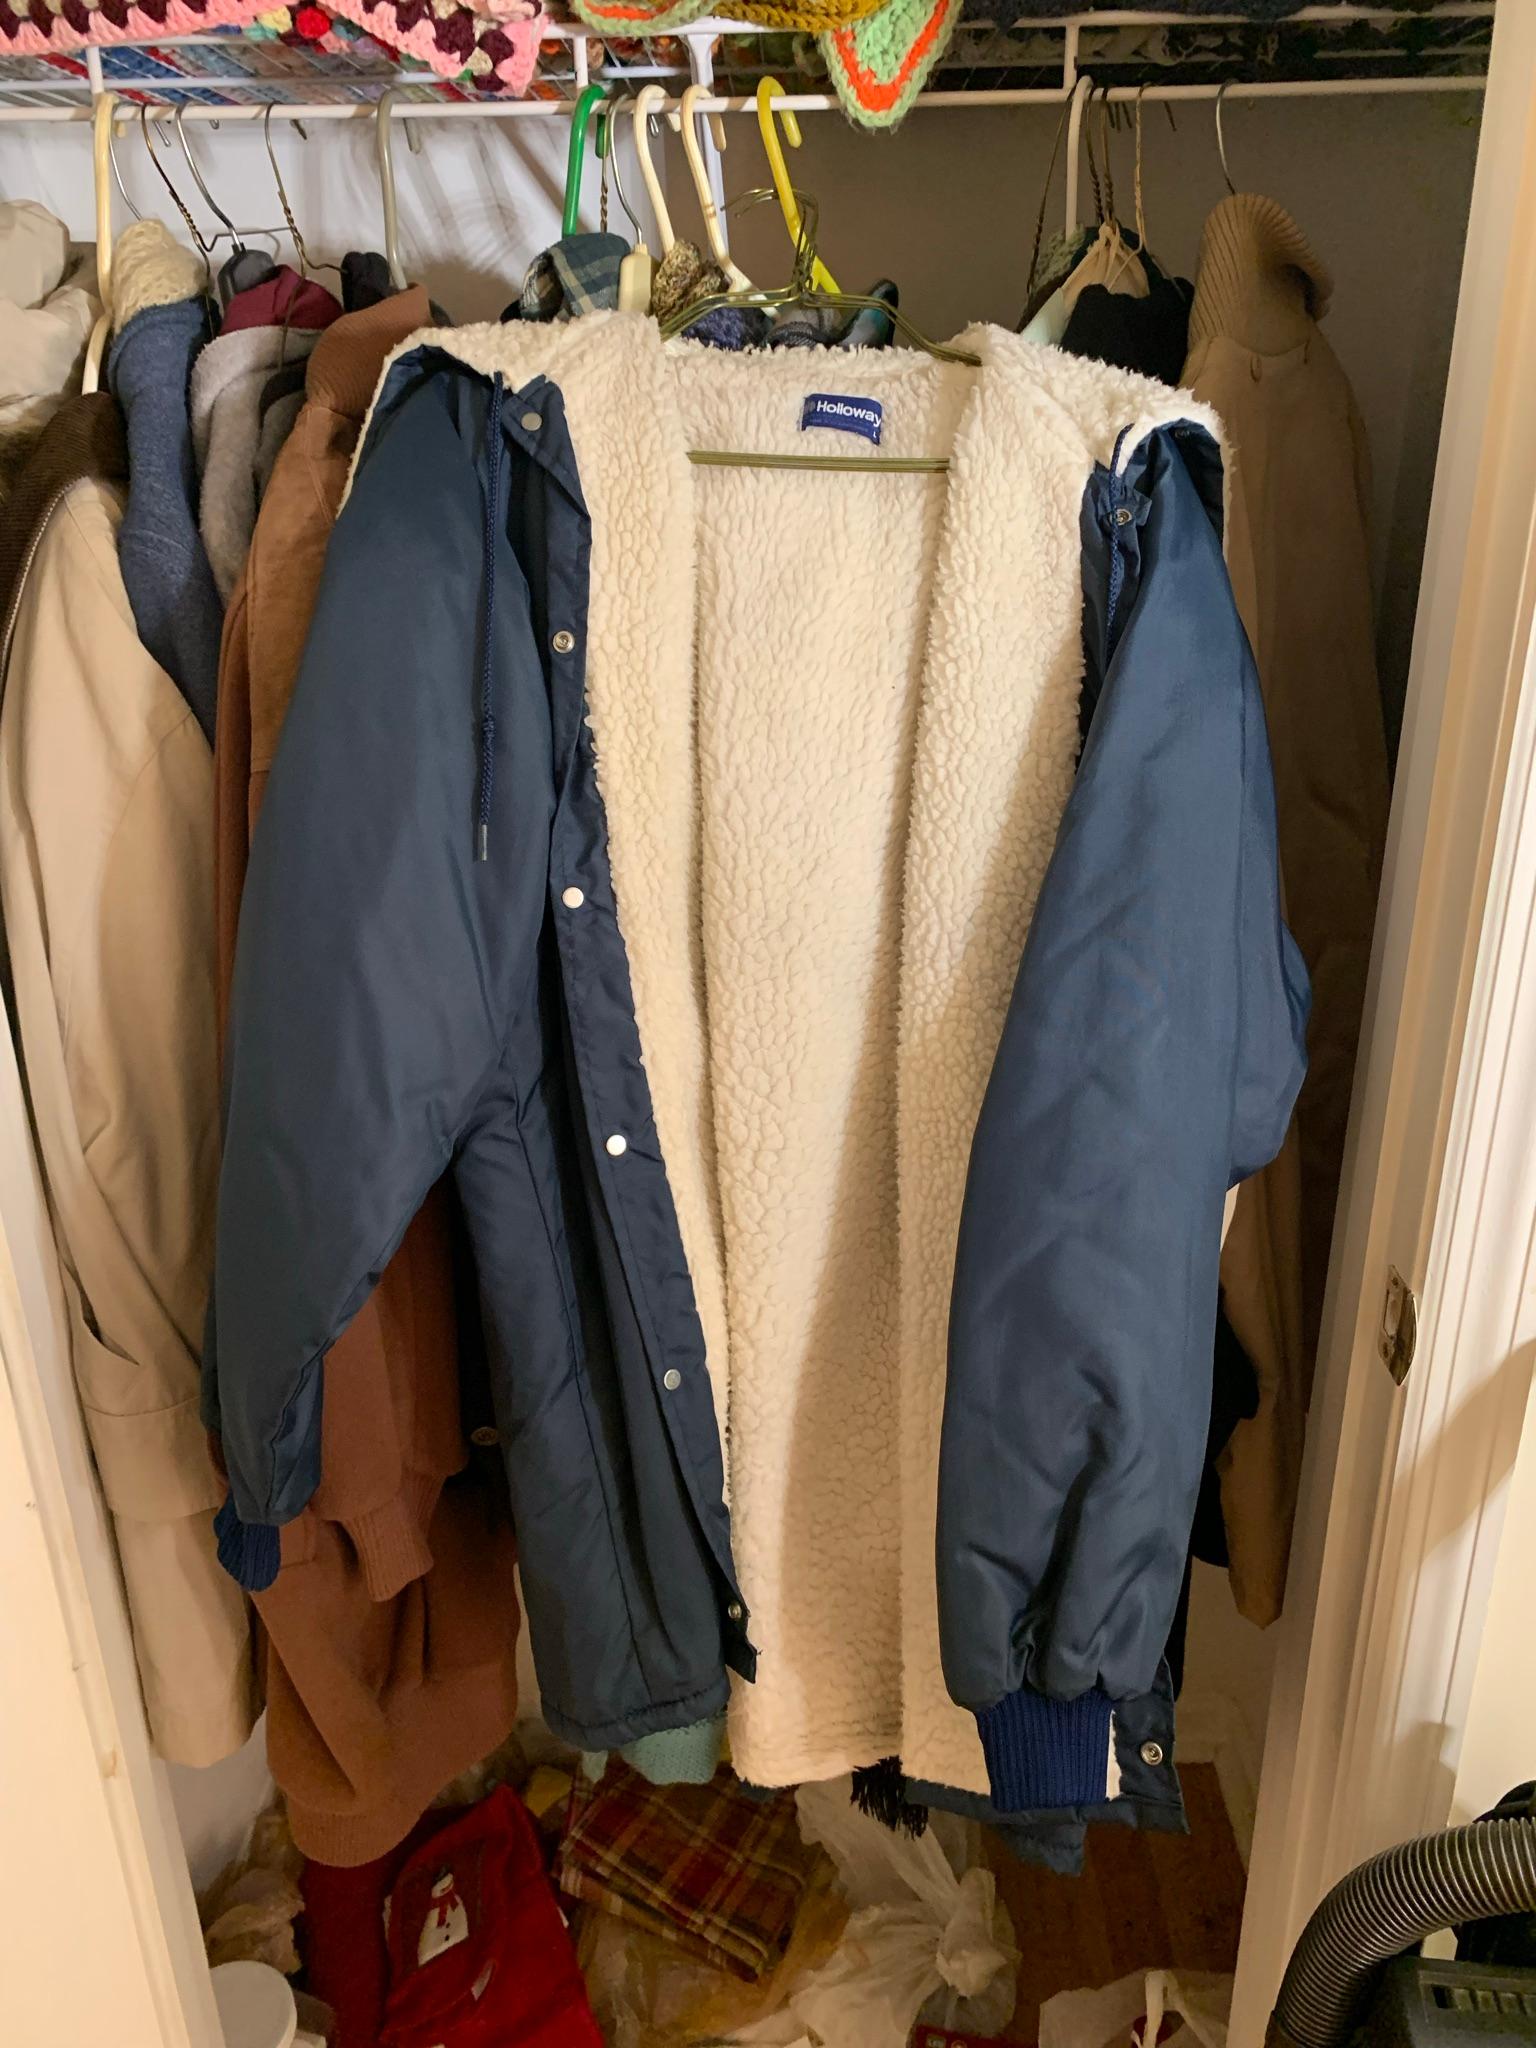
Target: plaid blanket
(710,1867)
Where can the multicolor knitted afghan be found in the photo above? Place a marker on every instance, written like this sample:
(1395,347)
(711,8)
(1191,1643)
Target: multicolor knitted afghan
(493,50)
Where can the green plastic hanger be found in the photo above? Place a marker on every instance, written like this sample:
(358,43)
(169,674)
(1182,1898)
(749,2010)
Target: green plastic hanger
(581,120)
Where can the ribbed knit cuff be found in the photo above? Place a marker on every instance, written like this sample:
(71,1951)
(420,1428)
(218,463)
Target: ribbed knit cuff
(251,1552)
(1043,1754)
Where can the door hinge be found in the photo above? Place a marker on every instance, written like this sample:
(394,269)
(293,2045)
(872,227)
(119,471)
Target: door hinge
(1399,1326)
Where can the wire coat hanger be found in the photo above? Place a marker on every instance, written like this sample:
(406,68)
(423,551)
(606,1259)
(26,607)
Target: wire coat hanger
(769,90)
(305,265)
(638,268)
(1221,138)
(204,247)
(117,172)
(201,182)
(384,157)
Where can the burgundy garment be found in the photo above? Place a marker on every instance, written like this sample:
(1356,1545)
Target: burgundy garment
(341,1933)
(282,300)
(479,1952)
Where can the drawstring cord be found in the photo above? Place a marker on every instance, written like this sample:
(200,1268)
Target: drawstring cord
(487,669)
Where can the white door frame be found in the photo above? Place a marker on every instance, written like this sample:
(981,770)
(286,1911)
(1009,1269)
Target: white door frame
(99,1936)
(1403,1492)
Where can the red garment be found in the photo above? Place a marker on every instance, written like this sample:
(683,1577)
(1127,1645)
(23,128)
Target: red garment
(282,300)
(341,1932)
(479,1953)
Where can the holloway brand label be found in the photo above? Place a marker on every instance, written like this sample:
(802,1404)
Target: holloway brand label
(848,415)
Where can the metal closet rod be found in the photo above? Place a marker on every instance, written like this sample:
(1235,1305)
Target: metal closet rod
(800,103)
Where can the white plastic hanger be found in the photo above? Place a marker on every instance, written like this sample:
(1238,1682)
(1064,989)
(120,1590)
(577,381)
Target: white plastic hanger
(647,97)
(1080,94)
(101,164)
(686,119)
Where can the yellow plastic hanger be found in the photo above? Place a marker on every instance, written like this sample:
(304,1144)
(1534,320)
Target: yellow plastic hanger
(769,90)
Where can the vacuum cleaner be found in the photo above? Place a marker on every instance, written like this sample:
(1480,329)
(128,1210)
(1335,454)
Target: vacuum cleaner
(1354,1980)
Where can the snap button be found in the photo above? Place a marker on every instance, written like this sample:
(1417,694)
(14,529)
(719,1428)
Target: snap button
(671,1379)
(1152,1754)
(485,1436)
(532,422)
(563,642)
(616,1146)
(573,898)
(1123,515)
(733,1612)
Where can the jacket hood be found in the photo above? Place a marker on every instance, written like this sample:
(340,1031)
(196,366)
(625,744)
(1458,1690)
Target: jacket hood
(1260,280)
(48,306)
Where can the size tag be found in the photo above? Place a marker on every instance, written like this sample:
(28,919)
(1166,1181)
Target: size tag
(848,415)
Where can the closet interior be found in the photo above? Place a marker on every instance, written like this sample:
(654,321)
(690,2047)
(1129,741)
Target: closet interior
(856,667)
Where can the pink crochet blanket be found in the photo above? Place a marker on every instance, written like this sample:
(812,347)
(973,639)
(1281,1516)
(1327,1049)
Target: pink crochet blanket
(494,50)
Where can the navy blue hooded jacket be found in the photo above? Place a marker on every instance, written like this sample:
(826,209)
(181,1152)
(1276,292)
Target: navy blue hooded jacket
(402,1008)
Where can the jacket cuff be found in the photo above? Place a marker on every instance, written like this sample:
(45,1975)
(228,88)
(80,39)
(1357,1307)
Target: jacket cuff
(250,1552)
(1043,1753)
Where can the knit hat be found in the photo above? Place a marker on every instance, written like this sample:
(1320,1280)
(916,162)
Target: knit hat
(661,17)
(879,65)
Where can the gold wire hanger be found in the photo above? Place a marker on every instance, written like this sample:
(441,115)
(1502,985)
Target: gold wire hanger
(801,292)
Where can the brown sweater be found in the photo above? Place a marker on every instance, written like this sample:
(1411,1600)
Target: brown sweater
(392,1625)
(1300,563)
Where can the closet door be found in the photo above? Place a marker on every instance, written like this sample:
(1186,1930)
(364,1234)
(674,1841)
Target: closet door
(1402,1506)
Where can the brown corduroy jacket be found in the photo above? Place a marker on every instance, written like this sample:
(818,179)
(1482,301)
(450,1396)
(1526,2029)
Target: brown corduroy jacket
(392,1625)
(1300,563)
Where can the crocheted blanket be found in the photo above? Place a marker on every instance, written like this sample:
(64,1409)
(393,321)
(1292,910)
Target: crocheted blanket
(493,50)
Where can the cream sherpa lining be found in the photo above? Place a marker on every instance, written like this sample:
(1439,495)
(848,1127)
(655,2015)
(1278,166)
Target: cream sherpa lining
(836,723)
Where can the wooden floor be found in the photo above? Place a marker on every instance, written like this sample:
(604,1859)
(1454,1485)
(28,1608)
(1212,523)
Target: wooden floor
(1143,1902)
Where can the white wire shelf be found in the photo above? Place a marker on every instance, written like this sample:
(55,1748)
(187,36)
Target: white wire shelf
(224,76)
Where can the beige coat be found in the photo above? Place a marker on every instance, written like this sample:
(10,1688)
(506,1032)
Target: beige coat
(1300,564)
(48,306)
(106,798)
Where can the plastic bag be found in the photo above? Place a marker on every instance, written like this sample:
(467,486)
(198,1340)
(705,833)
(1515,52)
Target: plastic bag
(922,1940)
(1130,2012)
(248,1911)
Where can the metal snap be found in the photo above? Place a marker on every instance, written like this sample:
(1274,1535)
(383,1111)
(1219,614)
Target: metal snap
(532,422)
(563,641)
(1152,1754)
(671,1379)
(485,1436)
(1123,515)
(733,1612)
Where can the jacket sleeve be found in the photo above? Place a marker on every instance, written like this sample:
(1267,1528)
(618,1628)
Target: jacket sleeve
(1150,1058)
(377,961)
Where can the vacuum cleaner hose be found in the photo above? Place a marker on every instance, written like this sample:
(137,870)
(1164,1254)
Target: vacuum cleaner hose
(1387,1905)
